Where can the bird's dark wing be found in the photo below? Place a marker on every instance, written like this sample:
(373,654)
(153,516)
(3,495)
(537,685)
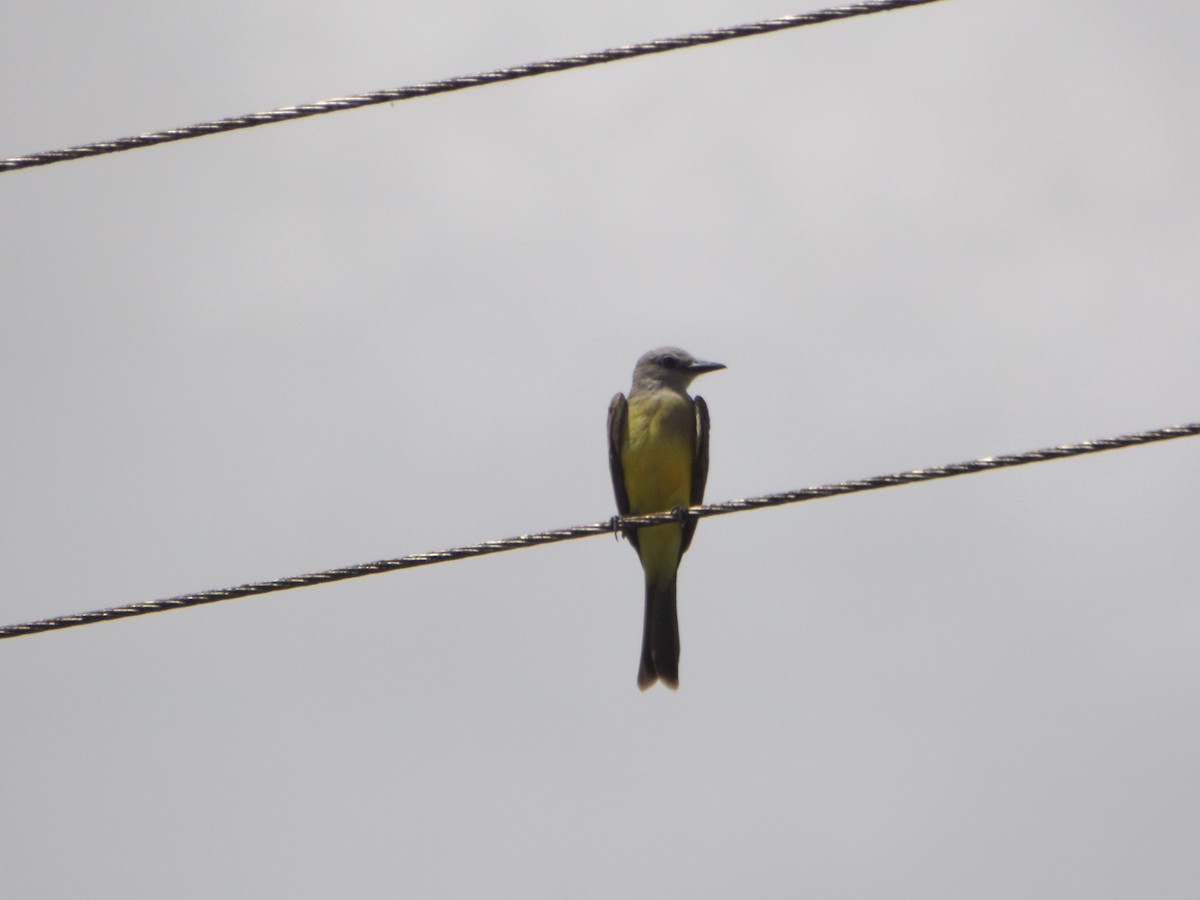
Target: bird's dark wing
(699,469)
(618,427)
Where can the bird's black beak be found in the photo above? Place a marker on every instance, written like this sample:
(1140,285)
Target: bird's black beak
(699,367)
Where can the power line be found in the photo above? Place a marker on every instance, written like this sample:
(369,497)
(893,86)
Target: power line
(616,523)
(511,73)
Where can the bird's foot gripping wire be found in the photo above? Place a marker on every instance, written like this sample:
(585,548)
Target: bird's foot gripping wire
(682,514)
(618,532)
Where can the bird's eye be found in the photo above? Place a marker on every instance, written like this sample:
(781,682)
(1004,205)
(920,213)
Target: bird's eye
(668,362)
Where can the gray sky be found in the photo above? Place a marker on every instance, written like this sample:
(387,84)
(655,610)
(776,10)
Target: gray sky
(915,238)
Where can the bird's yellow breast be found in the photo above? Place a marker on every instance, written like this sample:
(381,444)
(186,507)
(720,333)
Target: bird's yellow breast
(659,452)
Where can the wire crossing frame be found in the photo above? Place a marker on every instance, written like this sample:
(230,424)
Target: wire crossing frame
(617,523)
(510,73)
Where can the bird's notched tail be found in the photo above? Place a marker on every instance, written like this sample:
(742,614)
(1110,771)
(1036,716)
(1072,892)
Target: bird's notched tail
(660,639)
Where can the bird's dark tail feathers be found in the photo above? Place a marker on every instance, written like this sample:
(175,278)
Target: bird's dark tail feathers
(660,638)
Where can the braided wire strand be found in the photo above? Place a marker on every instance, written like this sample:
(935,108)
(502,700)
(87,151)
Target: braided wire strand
(425,89)
(619,523)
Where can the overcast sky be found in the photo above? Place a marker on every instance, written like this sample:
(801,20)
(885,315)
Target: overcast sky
(964,229)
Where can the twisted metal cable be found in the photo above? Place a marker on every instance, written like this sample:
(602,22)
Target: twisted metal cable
(615,524)
(510,73)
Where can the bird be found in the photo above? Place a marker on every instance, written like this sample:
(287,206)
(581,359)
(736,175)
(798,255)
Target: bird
(658,456)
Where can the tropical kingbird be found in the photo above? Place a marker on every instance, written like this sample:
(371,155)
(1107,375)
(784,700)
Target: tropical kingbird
(658,453)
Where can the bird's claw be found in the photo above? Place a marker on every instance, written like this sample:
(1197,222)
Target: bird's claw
(615,524)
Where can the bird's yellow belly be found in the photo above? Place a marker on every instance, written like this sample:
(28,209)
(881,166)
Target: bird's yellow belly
(657,460)
(658,454)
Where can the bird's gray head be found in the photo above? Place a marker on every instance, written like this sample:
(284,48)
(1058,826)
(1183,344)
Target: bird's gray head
(669,367)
